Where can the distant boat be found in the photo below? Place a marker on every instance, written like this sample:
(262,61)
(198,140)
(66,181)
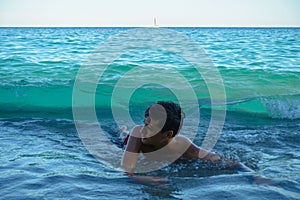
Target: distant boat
(155,23)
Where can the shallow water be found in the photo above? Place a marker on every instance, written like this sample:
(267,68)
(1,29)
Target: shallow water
(42,155)
(44,158)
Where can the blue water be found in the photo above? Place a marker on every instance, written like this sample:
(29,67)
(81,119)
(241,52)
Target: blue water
(42,155)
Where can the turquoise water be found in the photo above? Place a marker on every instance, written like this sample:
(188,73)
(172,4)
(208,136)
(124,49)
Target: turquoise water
(42,155)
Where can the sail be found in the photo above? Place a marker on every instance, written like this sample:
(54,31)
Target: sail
(155,23)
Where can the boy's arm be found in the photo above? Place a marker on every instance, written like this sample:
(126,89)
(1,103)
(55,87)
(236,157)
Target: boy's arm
(195,152)
(131,152)
(130,157)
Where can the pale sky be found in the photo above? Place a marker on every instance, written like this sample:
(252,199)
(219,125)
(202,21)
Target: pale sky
(141,12)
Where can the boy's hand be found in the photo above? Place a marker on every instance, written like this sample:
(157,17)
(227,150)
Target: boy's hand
(214,157)
(150,180)
(209,156)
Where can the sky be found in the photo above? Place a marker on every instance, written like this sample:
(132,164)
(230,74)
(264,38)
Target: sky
(103,13)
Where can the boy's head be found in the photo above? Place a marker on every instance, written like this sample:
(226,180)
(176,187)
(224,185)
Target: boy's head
(166,115)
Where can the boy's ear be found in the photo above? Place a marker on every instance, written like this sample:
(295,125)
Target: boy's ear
(170,134)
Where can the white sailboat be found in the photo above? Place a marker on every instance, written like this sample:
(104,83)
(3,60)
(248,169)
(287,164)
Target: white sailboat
(155,23)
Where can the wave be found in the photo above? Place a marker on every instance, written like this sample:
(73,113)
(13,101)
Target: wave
(57,100)
(50,90)
(279,106)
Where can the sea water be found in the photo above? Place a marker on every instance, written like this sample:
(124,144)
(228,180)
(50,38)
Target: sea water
(42,155)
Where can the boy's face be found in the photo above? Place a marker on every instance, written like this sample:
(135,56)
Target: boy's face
(151,133)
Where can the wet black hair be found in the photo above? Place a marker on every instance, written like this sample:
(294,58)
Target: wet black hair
(174,116)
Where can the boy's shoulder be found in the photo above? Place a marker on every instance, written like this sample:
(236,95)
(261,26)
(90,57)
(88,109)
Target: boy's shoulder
(181,142)
(184,145)
(182,139)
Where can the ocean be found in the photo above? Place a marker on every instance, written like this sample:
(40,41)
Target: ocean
(250,75)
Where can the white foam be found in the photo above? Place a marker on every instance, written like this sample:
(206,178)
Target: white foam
(283,107)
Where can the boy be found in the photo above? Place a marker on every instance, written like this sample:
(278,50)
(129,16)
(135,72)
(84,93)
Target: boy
(158,140)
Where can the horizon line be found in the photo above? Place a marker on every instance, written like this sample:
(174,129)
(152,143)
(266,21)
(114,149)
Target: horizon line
(145,26)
